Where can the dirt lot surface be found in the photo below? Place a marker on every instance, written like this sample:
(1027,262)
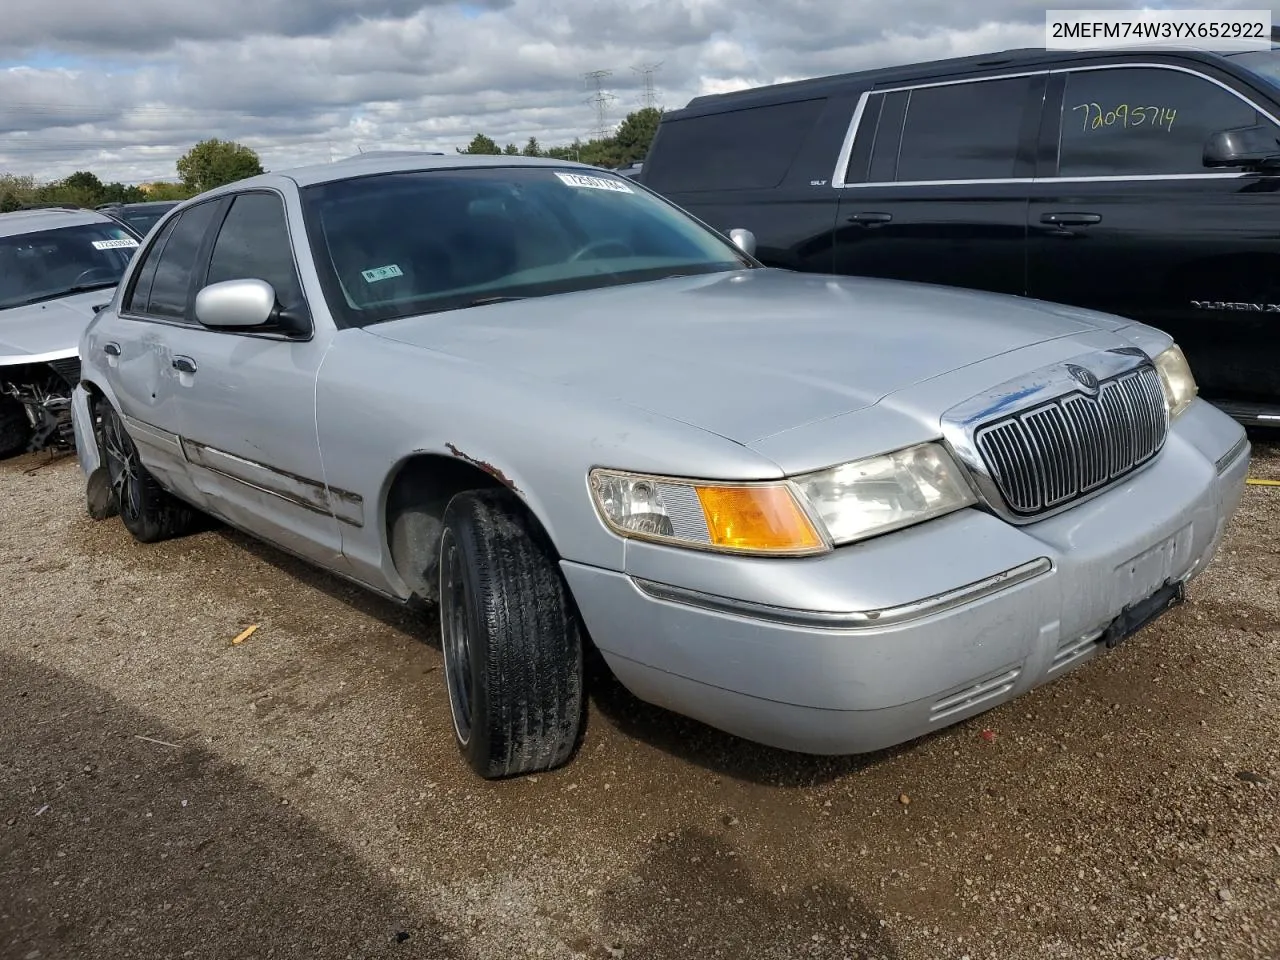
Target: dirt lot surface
(165,793)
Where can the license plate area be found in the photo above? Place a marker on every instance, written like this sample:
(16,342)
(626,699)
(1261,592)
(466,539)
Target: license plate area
(1137,615)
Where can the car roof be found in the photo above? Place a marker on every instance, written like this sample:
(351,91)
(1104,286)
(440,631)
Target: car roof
(363,166)
(1004,61)
(48,218)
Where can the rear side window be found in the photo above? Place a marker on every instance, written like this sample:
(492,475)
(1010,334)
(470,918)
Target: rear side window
(962,131)
(737,150)
(1136,121)
(176,260)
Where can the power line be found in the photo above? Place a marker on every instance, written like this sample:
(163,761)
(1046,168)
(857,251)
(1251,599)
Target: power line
(649,98)
(601,100)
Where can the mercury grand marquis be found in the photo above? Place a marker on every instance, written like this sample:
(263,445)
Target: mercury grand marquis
(827,514)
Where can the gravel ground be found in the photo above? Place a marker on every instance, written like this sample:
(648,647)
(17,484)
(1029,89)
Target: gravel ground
(165,793)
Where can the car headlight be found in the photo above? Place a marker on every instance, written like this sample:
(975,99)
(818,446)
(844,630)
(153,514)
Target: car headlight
(1176,380)
(796,517)
(873,496)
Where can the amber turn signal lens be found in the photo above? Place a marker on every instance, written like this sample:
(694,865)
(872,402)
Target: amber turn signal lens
(760,518)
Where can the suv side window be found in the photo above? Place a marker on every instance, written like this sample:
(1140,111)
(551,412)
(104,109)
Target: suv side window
(963,131)
(1136,121)
(172,281)
(253,244)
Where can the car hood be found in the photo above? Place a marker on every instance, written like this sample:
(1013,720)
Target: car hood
(50,327)
(749,354)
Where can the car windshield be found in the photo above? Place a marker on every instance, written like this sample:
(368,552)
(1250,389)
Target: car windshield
(47,264)
(398,244)
(1264,63)
(142,220)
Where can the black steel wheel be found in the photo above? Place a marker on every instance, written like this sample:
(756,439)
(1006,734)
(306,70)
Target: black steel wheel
(510,637)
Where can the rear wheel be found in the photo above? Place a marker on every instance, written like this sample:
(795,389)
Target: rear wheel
(149,512)
(15,428)
(511,640)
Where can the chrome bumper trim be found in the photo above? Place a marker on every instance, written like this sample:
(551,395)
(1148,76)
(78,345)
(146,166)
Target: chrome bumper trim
(1227,459)
(851,619)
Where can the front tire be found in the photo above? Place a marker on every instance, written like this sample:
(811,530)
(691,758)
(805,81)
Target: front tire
(511,640)
(15,428)
(148,511)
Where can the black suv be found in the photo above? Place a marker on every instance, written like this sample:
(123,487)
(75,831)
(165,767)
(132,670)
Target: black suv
(1143,184)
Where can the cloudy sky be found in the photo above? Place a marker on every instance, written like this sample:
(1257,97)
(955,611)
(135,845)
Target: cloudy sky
(123,87)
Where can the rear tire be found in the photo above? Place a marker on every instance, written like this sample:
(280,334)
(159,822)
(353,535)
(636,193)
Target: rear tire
(15,428)
(148,511)
(511,640)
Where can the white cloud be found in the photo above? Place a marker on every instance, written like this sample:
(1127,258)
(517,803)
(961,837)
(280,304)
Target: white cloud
(124,88)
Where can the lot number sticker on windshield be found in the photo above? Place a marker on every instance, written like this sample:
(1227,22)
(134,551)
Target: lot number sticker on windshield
(381,273)
(594,183)
(114,244)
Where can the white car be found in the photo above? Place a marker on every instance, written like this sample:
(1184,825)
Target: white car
(57,266)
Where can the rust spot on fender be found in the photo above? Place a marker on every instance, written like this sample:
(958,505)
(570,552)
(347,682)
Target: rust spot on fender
(484,465)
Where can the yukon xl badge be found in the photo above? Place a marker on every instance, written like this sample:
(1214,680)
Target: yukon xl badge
(1231,305)
(1083,377)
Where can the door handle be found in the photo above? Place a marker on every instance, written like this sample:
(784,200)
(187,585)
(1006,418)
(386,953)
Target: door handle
(184,365)
(870,219)
(1071,219)
(111,349)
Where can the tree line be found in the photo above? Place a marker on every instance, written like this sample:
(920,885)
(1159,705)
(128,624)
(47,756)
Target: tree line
(213,163)
(628,144)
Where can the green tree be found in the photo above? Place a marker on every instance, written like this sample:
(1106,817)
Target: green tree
(635,134)
(532,148)
(511,150)
(213,163)
(16,192)
(167,191)
(481,144)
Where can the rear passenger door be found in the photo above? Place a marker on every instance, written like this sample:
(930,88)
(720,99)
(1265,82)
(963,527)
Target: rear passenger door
(136,343)
(1126,218)
(937,183)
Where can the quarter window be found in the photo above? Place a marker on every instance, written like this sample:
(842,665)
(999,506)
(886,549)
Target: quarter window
(177,262)
(254,244)
(1135,121)
(962,131)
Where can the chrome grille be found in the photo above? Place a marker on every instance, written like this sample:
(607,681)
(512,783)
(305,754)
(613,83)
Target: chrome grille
(1074,445)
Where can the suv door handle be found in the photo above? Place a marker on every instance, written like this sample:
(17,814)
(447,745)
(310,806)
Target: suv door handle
(870,219)
(1071,219)
(111,349)
(184,364)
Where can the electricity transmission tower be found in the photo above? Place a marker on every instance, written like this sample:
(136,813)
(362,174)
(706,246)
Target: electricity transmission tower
(649,98)
(601,100)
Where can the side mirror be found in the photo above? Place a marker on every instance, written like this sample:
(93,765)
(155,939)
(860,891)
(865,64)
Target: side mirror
(1255,147)
(236,303)
(744,240)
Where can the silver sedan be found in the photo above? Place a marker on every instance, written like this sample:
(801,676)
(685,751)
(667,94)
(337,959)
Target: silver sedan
(827,514)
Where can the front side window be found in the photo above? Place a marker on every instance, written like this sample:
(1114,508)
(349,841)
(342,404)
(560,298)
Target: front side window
(962,131)
(398,244)
(47,264)
(253,243)
(1143,121)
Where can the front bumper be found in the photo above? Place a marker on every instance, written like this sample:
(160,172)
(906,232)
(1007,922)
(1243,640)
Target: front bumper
(881,642)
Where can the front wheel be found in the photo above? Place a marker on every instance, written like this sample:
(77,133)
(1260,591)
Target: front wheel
(15,428)
(510,637)
(149,512)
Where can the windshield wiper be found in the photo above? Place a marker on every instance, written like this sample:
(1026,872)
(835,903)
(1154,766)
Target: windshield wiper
(481,301)
(96,285)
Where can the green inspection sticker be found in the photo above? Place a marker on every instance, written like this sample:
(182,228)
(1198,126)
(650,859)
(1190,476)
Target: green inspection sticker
(381,273)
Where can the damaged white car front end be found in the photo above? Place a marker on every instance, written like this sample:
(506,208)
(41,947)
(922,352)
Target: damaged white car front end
(58,267)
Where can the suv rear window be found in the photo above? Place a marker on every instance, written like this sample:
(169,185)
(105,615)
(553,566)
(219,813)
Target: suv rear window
(963,131)
(737,150)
